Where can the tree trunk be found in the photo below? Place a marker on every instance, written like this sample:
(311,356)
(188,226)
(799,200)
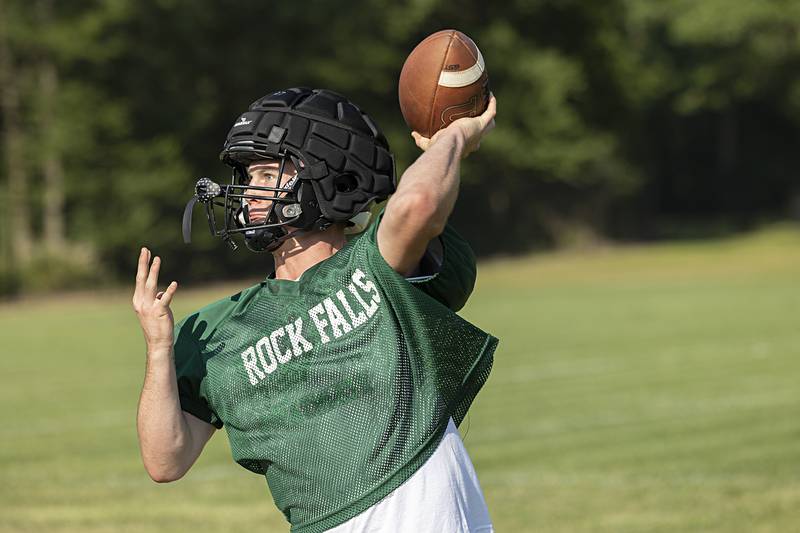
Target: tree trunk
(52,163)
(18,212)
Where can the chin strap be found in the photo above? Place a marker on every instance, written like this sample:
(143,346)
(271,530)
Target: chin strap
(254,245)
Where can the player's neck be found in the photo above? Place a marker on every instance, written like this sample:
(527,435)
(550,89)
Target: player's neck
(305,250)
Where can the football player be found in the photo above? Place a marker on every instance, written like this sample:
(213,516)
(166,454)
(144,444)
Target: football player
(343,375)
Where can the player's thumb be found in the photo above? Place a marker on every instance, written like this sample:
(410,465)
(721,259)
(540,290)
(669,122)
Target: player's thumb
(422,142)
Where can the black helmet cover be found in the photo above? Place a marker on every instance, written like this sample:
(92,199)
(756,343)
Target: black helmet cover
(341,158)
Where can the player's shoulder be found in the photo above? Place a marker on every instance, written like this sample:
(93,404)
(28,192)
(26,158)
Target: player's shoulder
(215,313)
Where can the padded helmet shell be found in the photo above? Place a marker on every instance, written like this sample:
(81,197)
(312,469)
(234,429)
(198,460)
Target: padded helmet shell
(343,154)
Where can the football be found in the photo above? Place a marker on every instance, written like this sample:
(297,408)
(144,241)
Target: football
(443,79)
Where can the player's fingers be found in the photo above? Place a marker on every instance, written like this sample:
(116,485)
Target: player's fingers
(491,111)
(152,279)
(141,277)
(166,296)
(141,270)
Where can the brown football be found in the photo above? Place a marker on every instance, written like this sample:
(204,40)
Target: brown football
(443,79)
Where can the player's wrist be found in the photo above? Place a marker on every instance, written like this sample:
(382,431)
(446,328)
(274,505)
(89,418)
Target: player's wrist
(159,350)
(454,136)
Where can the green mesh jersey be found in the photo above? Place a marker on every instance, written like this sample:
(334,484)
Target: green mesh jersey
(337,387)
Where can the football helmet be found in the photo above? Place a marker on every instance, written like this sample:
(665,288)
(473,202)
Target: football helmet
(341,158)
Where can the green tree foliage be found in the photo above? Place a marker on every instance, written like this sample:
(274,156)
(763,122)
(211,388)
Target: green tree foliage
(712,95)
(619,118)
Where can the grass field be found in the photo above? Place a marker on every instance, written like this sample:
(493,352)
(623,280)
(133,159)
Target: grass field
(635,389)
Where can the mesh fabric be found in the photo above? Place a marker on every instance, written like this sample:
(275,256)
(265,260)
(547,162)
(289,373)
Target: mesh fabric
(353,394)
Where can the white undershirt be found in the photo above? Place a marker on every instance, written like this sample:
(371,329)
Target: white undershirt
(443,496)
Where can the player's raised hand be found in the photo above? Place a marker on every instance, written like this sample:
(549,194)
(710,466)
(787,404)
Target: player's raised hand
(151,305)
(474,129)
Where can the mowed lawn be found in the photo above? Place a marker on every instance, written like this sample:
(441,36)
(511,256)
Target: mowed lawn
(646,388)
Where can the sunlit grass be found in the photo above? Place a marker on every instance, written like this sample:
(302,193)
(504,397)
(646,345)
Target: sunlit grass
(638,388)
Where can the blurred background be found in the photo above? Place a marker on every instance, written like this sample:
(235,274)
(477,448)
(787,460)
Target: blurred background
(636,213)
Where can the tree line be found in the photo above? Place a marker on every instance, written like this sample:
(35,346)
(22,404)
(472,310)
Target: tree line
(627,119)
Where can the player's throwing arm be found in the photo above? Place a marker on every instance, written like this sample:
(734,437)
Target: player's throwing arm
(170,439)
(419,210)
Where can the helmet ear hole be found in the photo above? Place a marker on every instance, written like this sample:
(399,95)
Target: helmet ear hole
(345,183)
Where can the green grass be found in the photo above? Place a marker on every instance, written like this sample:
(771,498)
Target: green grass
(635,389)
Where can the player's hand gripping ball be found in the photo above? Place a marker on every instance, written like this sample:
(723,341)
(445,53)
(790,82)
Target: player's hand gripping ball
(443,79)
